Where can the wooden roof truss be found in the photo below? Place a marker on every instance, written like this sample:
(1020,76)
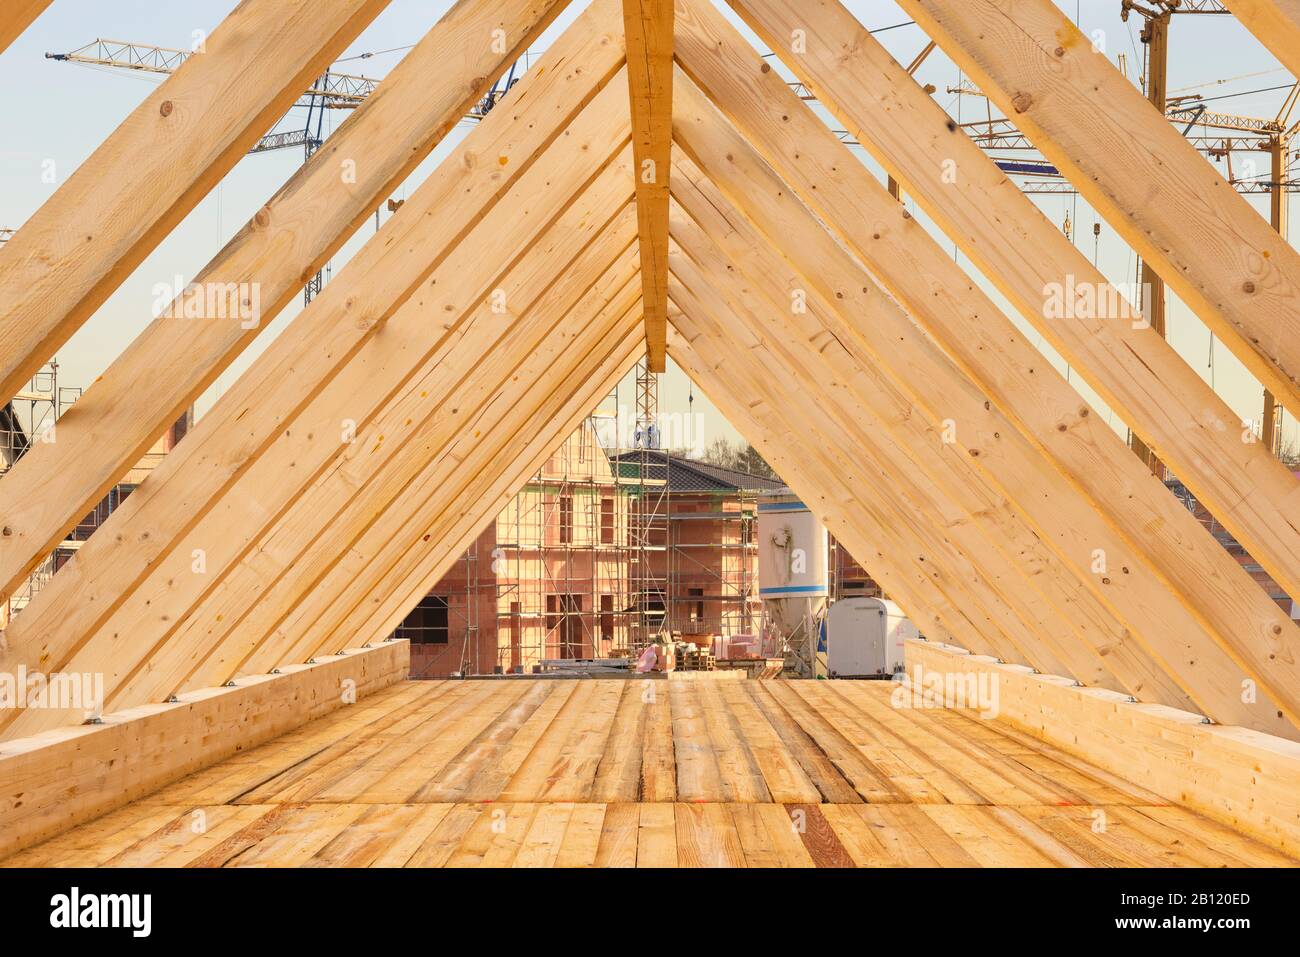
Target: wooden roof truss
(652,186)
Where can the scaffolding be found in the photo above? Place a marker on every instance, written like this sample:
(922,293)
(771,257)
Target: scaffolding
(595,556)
(28,418)
(547,580)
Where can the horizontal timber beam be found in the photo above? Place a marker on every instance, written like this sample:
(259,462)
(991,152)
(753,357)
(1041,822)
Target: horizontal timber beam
(55,780)
(1244,779)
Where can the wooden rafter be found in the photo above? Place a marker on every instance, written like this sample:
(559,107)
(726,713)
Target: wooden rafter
(265,401)
(1135,370)
(380,494)
(619,346)
(415,449)
(706,357)
(717,273)
(648,27)
(1004,389)
(1057,627)
(301,226)
(155,167)
(365,449)
(16,17)
(167,624)
(1276,24)
(1219,255)
(933,382)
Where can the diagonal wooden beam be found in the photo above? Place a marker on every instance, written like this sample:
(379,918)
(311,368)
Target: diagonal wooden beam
(404,391)
(1276,24)
(814,475)
(453,500)
(604,353)
(731,278)
(154,168)
(1025,461)
(416,445)
(942,494)
(17,16)
(56,483)
(1219,255)
(577,72)
(648,26)
(1002,382)
(912,544)
(1136,372)
(367,586)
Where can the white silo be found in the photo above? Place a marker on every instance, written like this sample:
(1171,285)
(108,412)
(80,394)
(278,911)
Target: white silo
(792,579)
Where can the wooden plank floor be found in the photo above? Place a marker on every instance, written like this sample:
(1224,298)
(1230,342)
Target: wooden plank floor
(650,773)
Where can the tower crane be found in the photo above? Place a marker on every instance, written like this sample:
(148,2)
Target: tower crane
(332,91)
(1217,135)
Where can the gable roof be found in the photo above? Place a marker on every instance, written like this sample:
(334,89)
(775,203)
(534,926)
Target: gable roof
(346,469)
(689,475)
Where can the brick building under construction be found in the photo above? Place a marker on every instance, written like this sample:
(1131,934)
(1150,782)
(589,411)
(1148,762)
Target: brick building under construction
(599,552)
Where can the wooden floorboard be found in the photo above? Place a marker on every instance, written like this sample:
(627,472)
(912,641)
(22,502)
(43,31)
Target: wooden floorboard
(614,773)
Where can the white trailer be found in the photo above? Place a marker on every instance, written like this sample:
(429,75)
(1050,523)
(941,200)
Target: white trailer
(864,638)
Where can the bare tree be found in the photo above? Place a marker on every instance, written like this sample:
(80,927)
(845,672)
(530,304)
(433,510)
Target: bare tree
(738,456)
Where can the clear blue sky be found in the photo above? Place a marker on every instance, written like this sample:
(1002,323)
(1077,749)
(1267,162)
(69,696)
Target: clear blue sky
(59,111)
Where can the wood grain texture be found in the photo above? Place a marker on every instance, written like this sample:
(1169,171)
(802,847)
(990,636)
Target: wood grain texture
(1134,370)
(66,776)
(833,370)
(262,407)
(1211,248)
(383,784)
(1241,779)
(1276,24)
(16,17)
(1012,414)
(55,484)
(648,30)
(156,166)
